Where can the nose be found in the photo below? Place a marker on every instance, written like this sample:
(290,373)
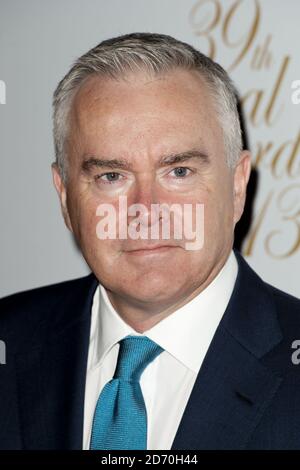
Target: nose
(144,201)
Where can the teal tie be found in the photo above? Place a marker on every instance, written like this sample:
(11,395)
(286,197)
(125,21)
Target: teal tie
(120,419)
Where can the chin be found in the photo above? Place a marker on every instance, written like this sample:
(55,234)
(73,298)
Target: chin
(153,292)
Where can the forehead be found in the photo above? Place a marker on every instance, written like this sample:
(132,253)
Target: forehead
(166,110)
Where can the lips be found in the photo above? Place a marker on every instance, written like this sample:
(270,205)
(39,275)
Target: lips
(151,250)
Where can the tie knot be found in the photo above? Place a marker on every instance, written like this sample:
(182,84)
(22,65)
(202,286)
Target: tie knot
(135,353)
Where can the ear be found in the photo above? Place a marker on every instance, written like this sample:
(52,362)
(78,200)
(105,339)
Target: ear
(62,194)
(241,177)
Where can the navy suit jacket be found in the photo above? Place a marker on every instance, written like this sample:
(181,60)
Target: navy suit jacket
(246,395)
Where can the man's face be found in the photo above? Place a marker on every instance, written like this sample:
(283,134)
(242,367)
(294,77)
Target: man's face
(143,122)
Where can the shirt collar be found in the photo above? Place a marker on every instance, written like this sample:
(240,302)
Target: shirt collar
(185,334)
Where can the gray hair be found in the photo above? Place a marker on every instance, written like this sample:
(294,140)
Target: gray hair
(154,54)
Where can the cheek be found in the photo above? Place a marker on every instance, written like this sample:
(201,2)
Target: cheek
(218,211)
(83,215)
(92,245)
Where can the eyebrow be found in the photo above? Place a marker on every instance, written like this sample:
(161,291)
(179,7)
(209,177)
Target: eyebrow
(90,162)
(184,156)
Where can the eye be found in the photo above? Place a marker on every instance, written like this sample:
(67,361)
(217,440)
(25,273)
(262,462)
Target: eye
(181,171)
(109,177)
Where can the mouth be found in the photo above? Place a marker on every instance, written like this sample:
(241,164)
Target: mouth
(154,250)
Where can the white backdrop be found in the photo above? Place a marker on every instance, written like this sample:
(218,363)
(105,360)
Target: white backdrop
(257,41)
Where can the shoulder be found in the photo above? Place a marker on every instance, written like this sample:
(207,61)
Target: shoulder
(261,295)
(39,310)
(33,299)
(287,309)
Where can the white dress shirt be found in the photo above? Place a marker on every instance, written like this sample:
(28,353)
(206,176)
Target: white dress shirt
(167,382)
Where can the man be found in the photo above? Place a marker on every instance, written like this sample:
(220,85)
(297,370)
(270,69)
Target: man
(164,345)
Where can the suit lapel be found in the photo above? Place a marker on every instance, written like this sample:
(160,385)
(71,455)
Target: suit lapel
(233,387)
(51,379)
